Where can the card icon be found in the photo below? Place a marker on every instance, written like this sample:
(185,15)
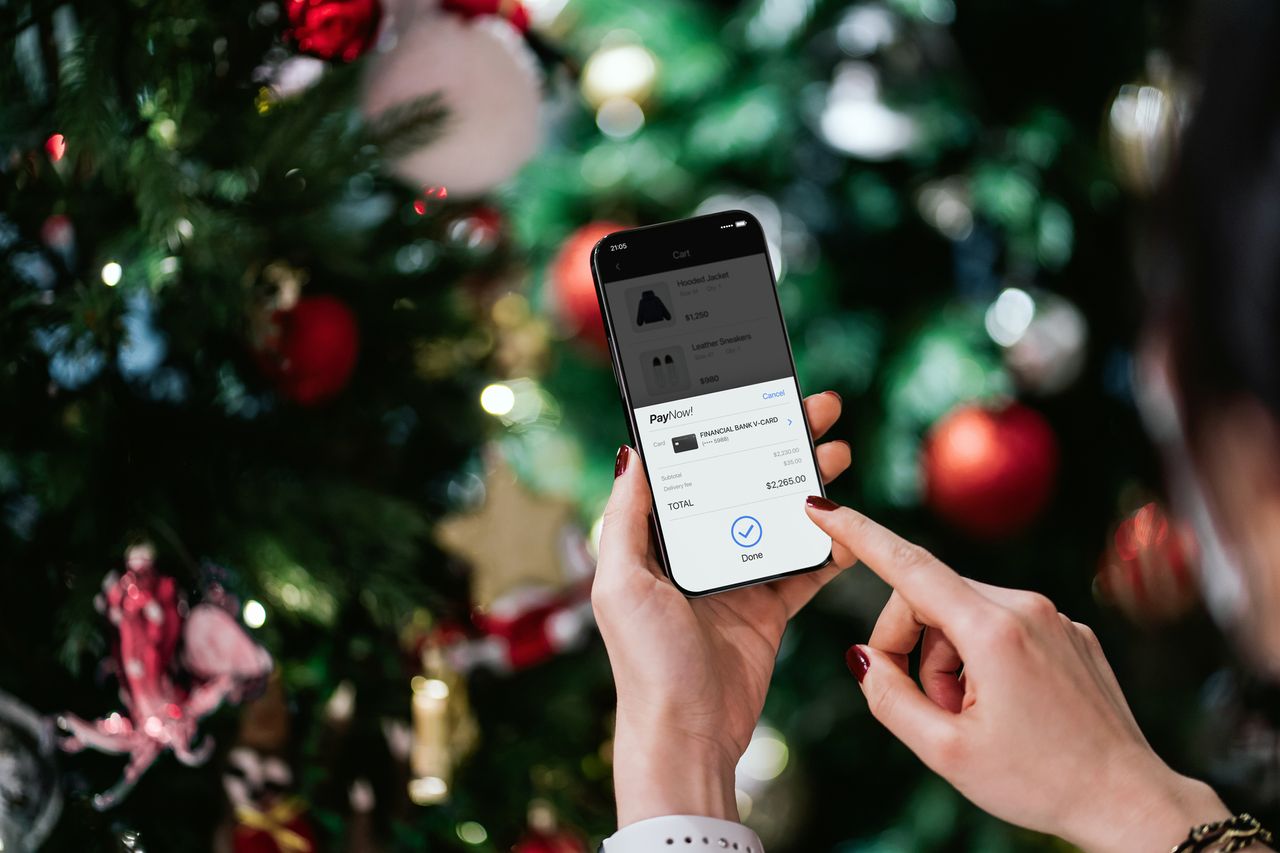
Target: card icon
(684,443)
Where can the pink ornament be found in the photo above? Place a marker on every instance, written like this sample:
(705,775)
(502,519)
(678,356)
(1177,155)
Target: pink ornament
(159,715)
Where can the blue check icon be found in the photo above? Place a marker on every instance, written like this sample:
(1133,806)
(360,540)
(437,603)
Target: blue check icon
(746,531)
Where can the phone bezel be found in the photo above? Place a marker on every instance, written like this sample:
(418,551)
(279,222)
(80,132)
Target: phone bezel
(713,221)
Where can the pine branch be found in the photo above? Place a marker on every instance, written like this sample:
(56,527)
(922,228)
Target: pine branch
(409,126)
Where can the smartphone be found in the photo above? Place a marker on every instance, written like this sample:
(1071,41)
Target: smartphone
(708,382)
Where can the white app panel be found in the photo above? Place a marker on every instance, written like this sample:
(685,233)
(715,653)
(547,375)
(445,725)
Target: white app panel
(730,473)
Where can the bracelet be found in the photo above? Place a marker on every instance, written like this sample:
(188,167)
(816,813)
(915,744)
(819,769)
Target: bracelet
(1225,836)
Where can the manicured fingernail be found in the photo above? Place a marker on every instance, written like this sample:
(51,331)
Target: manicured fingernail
(819,502)
(835,394)
(620,463)
(858,662)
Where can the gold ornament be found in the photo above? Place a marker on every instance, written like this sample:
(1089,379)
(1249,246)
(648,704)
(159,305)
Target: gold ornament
(517,539)
(443,729)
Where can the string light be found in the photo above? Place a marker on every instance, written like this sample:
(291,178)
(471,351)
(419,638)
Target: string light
(112,273)
(1009,316)
(497,399)
(428,790)
(472,833)
(255,615)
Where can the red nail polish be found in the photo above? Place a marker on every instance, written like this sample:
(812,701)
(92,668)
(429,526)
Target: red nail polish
(620,463)
(821,503)
(858,662)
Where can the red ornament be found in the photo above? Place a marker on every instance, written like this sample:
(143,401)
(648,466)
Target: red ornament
(334,29)
(1147,569)
(990,472)
(56,147)
(312,351)
(572,289)
(512,11)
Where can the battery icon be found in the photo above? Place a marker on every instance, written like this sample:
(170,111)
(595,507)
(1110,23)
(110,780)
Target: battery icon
(741,223)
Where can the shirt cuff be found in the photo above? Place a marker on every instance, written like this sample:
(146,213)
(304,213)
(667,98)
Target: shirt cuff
(683,833)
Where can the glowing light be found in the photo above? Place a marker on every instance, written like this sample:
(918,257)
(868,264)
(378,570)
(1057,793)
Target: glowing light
(619,118)
(56,147)
(498,399)
(945,205)
(112,273)
(618,71)
(766,757)
(472,833)
(430,199)
(428,790)
(432,688)
(1010,316)
(858,123)
(342,704)
(255,615)
(153,726)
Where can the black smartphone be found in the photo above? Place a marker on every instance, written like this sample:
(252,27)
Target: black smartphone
(702,359)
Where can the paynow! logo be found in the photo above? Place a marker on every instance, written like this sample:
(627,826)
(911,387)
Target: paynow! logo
(670,415)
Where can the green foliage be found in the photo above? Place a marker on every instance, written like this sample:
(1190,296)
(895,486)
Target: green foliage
(183,167)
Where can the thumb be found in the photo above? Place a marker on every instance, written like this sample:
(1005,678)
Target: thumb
(893,697)
(624,534)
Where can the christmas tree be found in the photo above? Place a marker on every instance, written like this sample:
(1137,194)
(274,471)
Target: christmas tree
(309,420)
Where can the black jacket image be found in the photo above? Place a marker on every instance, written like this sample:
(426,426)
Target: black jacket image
(651,309)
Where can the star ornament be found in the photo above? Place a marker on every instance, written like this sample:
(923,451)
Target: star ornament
(515,540)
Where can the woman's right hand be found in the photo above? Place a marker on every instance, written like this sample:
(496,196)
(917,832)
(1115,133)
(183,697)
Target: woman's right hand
(1019,709)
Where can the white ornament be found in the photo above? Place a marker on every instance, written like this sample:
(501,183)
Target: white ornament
(490,86)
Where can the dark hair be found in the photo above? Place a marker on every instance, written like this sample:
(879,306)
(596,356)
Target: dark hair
(1216,257)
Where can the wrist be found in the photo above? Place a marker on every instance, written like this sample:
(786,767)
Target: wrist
(1154,811)
(663,770)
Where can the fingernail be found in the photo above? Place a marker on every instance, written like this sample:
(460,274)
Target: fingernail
(620,463)
(819,502)
(836,394)
(858,662)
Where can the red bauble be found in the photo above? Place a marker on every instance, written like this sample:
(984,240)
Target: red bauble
(313,351)
(334,29)
(1147,569)
(572,289)
(511,11)
(990,472)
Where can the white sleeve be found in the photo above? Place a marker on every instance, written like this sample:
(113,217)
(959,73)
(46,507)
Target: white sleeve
(683,833)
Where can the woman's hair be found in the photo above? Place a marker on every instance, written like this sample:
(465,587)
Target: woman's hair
(1215,262)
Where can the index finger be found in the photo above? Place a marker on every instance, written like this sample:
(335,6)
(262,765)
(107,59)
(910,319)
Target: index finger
(939,596)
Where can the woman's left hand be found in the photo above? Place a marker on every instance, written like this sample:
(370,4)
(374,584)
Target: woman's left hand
(691,674)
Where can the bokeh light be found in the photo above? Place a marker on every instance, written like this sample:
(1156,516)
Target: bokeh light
(497,399)
(1009,316)
(112,273)
(255,615)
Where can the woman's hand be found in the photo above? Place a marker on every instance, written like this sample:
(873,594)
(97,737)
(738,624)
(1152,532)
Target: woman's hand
(691,675)
(1019,710)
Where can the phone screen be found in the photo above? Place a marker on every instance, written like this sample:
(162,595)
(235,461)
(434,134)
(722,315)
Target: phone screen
(708,380)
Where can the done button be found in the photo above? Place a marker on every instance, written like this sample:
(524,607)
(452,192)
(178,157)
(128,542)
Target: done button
(746,531)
